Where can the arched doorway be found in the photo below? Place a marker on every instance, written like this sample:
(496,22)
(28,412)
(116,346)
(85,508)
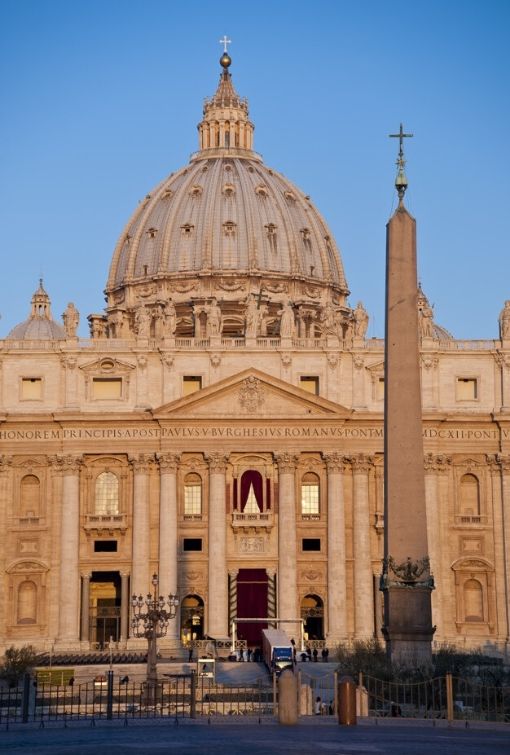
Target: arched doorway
(192,618)
(312,612)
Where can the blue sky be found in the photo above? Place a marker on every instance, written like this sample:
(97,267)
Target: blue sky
(100,101)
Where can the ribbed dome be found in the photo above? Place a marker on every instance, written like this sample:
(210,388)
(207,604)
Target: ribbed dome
(40,326)
(224,214)
(218,233)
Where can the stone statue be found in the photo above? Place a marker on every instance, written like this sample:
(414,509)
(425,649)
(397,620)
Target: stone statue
(360,321)
(328,321)
(213,311)
(170,318)
(71,318)
(504,321)
(252,317)
(142,322)
(287,323)
(116,324)
(427,321)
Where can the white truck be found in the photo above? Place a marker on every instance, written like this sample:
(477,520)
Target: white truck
(277,650)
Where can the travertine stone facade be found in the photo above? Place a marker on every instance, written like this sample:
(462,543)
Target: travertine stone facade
(223,427)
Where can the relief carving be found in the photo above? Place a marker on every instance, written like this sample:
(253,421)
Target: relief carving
(251,394)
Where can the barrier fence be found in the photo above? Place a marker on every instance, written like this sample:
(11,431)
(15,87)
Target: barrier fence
(192,696)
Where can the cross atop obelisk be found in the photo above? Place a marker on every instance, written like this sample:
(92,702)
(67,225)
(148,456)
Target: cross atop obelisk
(401,180)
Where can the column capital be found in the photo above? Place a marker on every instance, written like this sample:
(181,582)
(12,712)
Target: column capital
(69,464)
(217,461)
(142,463)
(287,461)
(85,574)
(232,573)
(335,462)
(504,461)
(168,462)
(438,463)
(361,463)
(5,463)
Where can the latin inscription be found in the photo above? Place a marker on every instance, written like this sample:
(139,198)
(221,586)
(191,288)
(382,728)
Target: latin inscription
(229,431)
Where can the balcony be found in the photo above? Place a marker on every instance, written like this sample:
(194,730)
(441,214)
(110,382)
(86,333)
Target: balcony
(256,522)
(109,523)
(470,519)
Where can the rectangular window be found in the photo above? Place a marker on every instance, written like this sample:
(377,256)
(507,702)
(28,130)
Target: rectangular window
(191,384)
(467,389)
(105,546)
(106,388)
(380,389)
(309,499)
(310,383)
(31,388)
(192,500)
(311,544)
(192,544)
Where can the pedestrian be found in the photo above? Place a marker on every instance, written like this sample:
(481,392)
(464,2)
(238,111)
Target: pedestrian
(190,653)
(318,706)
(249,654)
(323,655)
(309,652)
(315,655)
(326,655)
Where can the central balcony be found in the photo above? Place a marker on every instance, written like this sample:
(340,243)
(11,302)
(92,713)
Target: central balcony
(255,522)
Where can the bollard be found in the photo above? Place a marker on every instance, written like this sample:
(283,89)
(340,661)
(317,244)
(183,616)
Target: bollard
(287,699)
(347,701)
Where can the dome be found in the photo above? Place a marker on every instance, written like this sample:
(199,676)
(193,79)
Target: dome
(40,326)
(224,226)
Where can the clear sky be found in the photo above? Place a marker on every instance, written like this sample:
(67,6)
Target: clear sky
(100,101)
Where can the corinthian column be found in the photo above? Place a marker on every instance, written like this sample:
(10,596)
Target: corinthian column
(503,546)
(140,573)
(217,625)
(69,595)
(363,579)
(337,630)
(168,464)
(287,572)
(435,466)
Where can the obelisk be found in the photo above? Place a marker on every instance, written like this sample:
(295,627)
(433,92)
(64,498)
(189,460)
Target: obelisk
(406,581)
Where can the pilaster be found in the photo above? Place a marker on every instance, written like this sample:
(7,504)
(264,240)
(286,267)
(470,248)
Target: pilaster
(217,567)
(337,604)
(168,466)
(69,592)
(363,574)
(287,568)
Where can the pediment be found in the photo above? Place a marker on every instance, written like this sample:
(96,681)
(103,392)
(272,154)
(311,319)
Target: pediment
(107,366)
(255,394)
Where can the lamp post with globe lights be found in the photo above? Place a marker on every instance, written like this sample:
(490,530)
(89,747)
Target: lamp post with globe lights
(150,619)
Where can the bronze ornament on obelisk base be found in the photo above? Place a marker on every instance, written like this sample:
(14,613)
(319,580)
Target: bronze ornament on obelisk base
(406,581)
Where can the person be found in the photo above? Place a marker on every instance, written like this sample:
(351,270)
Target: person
(326,655)
(323,655)
(293,643)
(249,655)
(318,706)
(309,652)
(315,655)
(190,653)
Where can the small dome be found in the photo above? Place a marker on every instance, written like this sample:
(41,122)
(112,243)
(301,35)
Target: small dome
(40,326)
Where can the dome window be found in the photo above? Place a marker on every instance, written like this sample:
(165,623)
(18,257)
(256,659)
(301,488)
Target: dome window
(228,166)
(261,191)
(228,191)
(306,236)
(271,235)
(187,229)
(167,194)
(289,196)
(196,192)
(151,233)
(229,228)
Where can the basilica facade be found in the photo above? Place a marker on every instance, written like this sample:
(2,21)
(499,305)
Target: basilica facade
(222,427)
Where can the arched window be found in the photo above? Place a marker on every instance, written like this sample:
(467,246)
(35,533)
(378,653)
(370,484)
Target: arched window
(192,495)
(473,600)
(469,495)
(30,495)
(27,603)
(107,494)
(310,490)
(252,486)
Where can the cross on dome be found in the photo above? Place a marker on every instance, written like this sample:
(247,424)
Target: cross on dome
(401,180)
(225,42)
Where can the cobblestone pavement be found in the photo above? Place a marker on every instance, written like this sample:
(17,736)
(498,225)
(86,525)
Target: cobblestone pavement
(268,738)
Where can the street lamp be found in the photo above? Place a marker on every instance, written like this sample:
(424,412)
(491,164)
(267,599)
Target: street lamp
(151,617)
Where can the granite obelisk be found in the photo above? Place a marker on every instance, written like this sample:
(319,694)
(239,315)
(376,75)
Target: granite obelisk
(406,580)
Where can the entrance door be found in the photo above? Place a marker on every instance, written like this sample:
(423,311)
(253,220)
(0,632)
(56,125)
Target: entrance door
(251,603)
(104,613)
